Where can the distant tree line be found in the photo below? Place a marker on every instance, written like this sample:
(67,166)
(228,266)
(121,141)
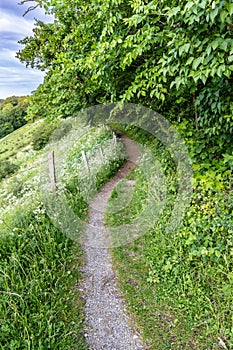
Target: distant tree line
(12,114)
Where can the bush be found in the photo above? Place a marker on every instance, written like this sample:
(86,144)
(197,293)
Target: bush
(42,135)
(7,168)
(62,131)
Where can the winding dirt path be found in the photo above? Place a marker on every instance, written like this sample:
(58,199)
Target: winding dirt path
(108,325)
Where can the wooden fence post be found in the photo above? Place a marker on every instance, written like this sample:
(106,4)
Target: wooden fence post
(114,140)
(85,160)
(102,153)
(52,173)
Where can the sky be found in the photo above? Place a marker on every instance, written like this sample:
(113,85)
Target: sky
(15,78)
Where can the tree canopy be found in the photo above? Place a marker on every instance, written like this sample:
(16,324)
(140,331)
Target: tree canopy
(167,55)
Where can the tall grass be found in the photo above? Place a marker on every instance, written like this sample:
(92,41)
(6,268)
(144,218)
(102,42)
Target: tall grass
(40,308)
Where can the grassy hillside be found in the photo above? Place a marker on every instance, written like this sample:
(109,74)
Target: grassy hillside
(17,145)
(40,305)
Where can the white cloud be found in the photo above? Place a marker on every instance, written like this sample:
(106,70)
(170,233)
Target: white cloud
(19,84)
(18,81)
(15,24)
(7,55)
(18,75)
(15,78)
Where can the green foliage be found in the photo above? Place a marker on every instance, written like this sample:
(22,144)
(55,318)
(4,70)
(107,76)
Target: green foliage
(107,171)
(75,198)
(208,154)
(100,171)
(73,189)
(7,168)
(151,53)
(61,132)
(12,114)
(44,49)
(42,135)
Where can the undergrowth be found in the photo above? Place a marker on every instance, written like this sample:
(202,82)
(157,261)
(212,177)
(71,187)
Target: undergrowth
(179,285)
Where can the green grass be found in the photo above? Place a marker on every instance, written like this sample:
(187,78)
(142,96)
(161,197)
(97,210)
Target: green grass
(163,324)
(179,285)
(40,305)
(18,141)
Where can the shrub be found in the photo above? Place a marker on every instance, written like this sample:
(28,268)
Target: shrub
(41,136)
(62,131)
(7,168)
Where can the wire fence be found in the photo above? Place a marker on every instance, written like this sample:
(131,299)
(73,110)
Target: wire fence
(47,160)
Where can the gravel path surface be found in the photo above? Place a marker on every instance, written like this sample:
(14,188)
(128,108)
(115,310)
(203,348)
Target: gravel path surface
(108,325)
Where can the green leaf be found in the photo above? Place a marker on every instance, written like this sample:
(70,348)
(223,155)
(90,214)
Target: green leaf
(208,49)
(143,93)
(178,81)
(173,12)
(215,43)
(184,48)
(197,62)
(189,61)
(220,70)
(224,45)
(230,8)
(203,78)
(196,77)
(188,6)
(203,4)
(223,16)
(195,9)
(213,14)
